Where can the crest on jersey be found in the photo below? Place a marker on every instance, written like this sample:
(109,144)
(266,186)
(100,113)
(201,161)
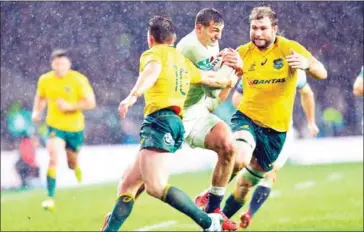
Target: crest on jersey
(204,65)
(278,63)
(67,89)
(168,139)
(252,67)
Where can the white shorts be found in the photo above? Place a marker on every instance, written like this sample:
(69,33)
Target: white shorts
(198,122)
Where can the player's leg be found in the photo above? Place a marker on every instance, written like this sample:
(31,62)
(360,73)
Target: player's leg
(127,189)
(243,147)
(211,133)
(247,178)
(55,146)
(259,197)
(269,146)
(263,190)
(74,141)
(155,171)
(162,134)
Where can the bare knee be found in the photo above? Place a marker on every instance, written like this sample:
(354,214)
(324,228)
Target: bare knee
(52,157)
(221,141)
(226,151)
(155,190)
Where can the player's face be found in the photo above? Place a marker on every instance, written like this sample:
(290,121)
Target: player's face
(211,34)
(262,32)
(61,65)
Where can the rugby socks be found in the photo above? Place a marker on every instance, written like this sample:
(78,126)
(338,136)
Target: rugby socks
(260,195)
(51,181)
(121,211)
(78,174)
(181,202)
(216,194)
(232,205)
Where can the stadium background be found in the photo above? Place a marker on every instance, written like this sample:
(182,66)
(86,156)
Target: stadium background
(107,38)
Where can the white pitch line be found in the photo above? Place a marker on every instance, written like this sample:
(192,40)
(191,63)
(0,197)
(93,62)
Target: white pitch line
(157,226)
(284,220)
(275,193)
(334,176)
(306,184)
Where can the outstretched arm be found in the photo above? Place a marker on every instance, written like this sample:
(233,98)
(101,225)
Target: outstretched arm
(308,105)
(146,80)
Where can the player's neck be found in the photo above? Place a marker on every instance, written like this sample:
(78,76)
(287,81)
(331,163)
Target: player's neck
(60,75)
(162,44)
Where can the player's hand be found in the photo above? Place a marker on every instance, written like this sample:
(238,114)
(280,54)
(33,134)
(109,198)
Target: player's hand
(64,106)
(297,61)
(313,128)
(125,104)
(231,58)
(36,117)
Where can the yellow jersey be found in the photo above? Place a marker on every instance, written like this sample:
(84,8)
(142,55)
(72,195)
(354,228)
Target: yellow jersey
(269,83)
(171,88)
(72,88)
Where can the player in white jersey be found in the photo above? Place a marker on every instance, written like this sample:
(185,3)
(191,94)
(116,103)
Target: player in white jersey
(263,189)
(204,129)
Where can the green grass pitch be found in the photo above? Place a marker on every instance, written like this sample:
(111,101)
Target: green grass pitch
(317,197)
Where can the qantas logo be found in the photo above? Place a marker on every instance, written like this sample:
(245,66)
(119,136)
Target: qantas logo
(271,81)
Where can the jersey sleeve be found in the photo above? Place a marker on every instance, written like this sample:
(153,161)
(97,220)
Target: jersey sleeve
(85,87)
(298,48)
(195,73)
(41,87)
(301,79)
(239,87)
(149,56)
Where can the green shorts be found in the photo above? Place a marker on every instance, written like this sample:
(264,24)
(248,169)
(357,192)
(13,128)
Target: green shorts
(74,140)
(269,142)
(163,130)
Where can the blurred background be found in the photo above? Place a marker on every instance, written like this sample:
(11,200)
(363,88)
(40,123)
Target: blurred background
(106,40)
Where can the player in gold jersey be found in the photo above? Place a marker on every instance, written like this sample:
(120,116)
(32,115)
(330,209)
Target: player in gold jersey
(164,79)
(67,93)
(271,65)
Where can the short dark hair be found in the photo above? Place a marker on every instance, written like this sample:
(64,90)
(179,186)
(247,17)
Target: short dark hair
(206,15)
(161,28)
(60,53)
(263,11)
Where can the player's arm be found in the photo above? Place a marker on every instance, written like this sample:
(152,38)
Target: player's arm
(213,79)
(308,105)
(146,80)
(358,85)
(40,101)
(316,69)
(236,98)
(213,103)
(300,58)
(237,95)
